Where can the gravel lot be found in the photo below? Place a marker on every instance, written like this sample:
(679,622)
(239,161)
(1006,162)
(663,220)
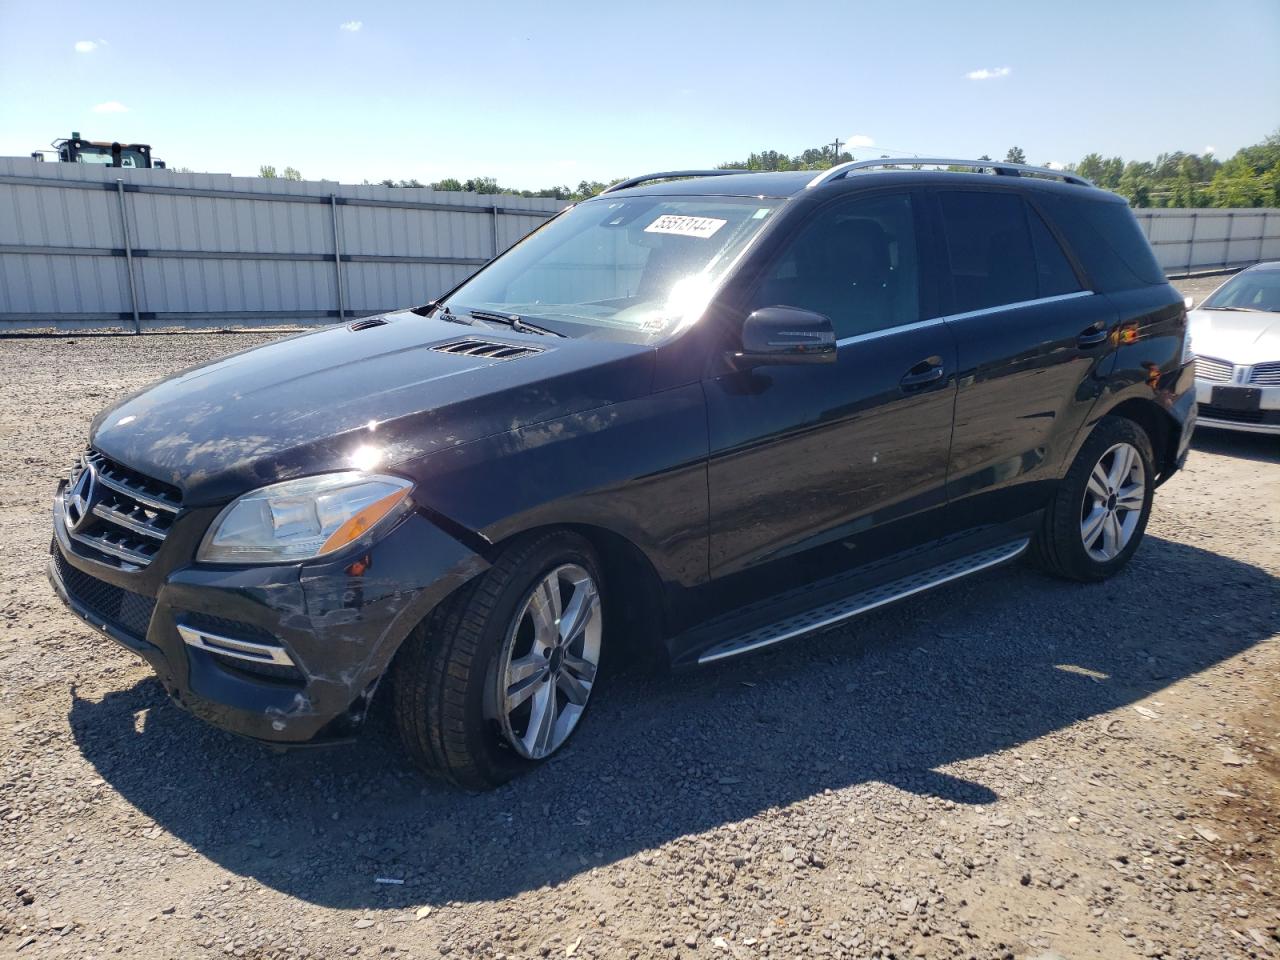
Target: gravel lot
(1011,767)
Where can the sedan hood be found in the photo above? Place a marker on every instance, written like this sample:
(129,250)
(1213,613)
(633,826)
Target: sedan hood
(363,395)
(1241,337)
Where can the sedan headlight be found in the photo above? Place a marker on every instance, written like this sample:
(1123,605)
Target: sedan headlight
(301,519)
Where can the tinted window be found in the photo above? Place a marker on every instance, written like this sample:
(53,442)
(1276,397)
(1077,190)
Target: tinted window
(1106,238)
(989,247)
(1053,270)
(854,262)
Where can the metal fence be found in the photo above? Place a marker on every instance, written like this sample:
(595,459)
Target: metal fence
(1201,240)
(84,246)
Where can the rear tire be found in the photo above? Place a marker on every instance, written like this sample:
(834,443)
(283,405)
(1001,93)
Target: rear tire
(1099,514)
(495,681)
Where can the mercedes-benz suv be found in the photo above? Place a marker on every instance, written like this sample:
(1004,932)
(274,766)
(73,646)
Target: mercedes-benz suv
(699,414)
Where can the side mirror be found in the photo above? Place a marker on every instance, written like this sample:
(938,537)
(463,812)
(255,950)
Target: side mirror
(774,335)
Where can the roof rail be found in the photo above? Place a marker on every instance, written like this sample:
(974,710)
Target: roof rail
(668,175)
(1000,167)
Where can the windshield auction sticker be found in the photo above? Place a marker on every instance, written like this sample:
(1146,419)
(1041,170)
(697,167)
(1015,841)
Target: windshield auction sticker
(701,227)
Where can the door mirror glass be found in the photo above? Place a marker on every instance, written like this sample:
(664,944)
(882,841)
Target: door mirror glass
(773,335)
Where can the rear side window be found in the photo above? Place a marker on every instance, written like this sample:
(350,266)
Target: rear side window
(1053,270)
(1106,238)
(989,248)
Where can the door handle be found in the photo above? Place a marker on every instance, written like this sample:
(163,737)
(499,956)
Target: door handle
(1092,335)
(925,372)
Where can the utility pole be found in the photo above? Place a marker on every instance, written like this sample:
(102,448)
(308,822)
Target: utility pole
(837,144)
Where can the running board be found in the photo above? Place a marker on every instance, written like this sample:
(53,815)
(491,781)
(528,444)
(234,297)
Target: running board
(830,614)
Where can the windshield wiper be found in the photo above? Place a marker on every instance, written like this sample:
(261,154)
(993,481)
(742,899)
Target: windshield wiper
(512,320)
(427,309)
(1242,309)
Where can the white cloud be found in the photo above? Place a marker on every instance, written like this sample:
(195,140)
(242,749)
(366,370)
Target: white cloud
(88,46)
(351,26)
(989,73)
(111,106)
(1055,165)
(855,140)
(1209,148)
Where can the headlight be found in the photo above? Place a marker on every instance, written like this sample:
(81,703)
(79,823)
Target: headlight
(301,519)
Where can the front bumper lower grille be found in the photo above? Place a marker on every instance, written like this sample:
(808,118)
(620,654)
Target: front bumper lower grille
(117,515)
(131,612)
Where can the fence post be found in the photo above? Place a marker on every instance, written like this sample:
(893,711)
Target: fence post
(493,229)
(128,256)
(1262,236)
(1191,244)
(337,258)
(1231,229)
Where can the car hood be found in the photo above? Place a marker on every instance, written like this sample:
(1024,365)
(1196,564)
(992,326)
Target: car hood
(1237,336)
(340,397)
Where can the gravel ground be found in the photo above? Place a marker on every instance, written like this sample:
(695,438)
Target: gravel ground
(1010,767)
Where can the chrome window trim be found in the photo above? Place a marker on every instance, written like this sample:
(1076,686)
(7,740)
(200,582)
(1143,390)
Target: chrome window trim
(921,324)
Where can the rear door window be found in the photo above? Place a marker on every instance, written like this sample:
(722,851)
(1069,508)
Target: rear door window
(989,249)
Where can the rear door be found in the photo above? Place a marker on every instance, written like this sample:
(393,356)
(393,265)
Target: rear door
(817,466)
(1031,339)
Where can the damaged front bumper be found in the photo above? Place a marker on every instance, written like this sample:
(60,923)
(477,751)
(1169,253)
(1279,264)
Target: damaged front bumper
(285,654)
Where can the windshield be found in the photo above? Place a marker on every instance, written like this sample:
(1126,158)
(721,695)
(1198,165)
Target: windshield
(643,264)
(1252,290)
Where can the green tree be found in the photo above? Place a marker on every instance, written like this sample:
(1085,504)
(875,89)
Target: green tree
(1015,155)
(448,183)
(291,173)
(267,172)
(482,185)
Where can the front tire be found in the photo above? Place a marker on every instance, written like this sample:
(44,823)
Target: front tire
(1099,514)
(498,678)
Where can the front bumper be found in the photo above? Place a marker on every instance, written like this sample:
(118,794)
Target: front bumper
(336,625)
(1265,419)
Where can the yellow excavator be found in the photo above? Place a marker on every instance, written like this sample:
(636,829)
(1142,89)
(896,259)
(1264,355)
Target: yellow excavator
(74,149)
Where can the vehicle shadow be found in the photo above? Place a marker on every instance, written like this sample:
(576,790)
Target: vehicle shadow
(1259,447)
(981,666)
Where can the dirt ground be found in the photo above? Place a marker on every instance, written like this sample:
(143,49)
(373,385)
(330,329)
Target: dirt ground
(1011,767)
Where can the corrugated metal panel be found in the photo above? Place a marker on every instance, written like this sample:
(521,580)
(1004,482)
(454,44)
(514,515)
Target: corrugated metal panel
(224,249)
(213,248)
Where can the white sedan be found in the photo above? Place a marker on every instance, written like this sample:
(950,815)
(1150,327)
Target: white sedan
(1235,334)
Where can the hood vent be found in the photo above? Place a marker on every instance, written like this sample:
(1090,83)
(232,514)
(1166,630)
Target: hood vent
(488,349)
(368,323)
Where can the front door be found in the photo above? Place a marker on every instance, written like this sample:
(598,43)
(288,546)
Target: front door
(827,465)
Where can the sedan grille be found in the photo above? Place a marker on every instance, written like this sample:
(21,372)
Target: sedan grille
(1266,374)
(120,515)
(1213,369)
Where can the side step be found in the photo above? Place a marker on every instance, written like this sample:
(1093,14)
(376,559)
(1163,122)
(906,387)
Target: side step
(830,614)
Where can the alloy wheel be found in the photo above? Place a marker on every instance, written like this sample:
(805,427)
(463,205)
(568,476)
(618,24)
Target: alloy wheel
(1113,502)
(548,663)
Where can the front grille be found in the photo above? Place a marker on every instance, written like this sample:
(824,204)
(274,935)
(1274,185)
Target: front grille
(489,349)
(1266,374)
(1207,411)
(129,611)
(129,513)
(1213,369)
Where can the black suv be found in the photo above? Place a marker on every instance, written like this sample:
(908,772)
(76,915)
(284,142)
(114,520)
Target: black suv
(692,418)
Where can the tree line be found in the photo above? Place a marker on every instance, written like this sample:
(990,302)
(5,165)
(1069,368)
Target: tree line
(1250,178)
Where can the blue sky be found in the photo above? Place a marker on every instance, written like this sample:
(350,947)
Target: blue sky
(556,92)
